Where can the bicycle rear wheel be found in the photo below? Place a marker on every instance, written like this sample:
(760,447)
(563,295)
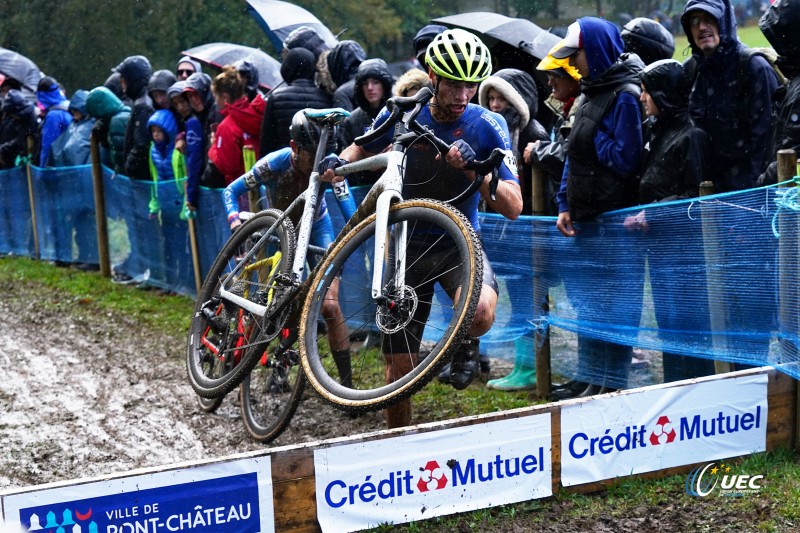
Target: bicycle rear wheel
(225,341)
(416,317)
(271,393)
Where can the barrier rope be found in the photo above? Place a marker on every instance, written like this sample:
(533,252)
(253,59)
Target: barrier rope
(786,198)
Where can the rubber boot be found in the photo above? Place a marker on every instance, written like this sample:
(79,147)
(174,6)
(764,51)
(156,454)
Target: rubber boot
(523,377)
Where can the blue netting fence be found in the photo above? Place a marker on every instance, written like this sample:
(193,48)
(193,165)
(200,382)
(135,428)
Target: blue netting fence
(713,278)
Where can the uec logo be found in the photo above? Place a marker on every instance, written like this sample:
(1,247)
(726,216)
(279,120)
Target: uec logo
(703,480)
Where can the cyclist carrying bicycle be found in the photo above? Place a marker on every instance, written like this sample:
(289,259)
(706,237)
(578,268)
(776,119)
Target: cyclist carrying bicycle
(457,62)
(285,173)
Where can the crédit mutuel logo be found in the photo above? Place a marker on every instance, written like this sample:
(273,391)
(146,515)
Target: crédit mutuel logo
(705,480)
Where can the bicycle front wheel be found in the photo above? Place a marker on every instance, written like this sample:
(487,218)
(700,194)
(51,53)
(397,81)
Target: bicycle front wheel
(417,322)
(225,340)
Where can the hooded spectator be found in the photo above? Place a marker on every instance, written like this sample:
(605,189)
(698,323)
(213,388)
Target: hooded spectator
(731,103)
(305,37)
(186,67)
(648,39)
(73,147)
(112,118)
(422,39)
(198,92)
(135,72)
(56,117)
(114,84)
(600,174)
(338,75)
(248,73)
(299,93)
(163,130)
(411,82)
(18,123)
(373,86)
(160,81)
(194,154)
(780,26)
(513,94)
(677,159)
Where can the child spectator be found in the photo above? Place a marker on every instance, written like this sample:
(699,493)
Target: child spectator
(56,116)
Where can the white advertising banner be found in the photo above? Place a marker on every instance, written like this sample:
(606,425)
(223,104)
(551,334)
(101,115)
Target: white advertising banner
(232,496)
(662,428)
(414,477)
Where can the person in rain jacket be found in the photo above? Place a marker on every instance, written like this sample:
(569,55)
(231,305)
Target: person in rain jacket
(648,39)
(604,154)
(734,108)
(732,101)
(240,127)
(73,147)
(194,155)
(372,88)
(112,118)
(163,130)
(160,81)
(299,93)
(513,94)
(676,162)
(338,72)
(18,123)
(56,116)
(780,26)
(186,67)
(135,72)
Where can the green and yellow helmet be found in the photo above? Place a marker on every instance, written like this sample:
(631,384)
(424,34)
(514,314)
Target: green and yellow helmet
(459,55)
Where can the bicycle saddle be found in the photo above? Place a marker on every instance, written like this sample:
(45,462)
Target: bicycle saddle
(327,117)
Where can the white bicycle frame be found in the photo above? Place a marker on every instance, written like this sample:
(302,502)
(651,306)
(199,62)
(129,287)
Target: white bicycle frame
(388,188)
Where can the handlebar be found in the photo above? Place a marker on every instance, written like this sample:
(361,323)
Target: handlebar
(411,106)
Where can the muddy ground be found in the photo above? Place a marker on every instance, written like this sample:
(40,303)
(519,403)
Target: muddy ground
(87,393)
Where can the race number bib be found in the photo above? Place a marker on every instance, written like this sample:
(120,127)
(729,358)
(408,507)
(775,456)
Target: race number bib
(511,162)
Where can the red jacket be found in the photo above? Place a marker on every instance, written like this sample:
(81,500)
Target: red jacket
(240,127)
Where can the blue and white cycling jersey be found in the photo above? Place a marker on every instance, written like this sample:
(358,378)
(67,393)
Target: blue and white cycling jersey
(482,129)
(284,183)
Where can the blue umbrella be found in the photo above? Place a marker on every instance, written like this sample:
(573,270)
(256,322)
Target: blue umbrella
(278,19)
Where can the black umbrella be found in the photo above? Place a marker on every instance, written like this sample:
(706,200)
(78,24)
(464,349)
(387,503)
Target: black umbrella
(20,68)
(515,43)
(221,54)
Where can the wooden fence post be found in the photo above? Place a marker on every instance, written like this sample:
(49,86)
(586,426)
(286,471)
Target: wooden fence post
(540,293)
(787,268)
(103,256)
(714,278)
(198,277)
(32,200)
